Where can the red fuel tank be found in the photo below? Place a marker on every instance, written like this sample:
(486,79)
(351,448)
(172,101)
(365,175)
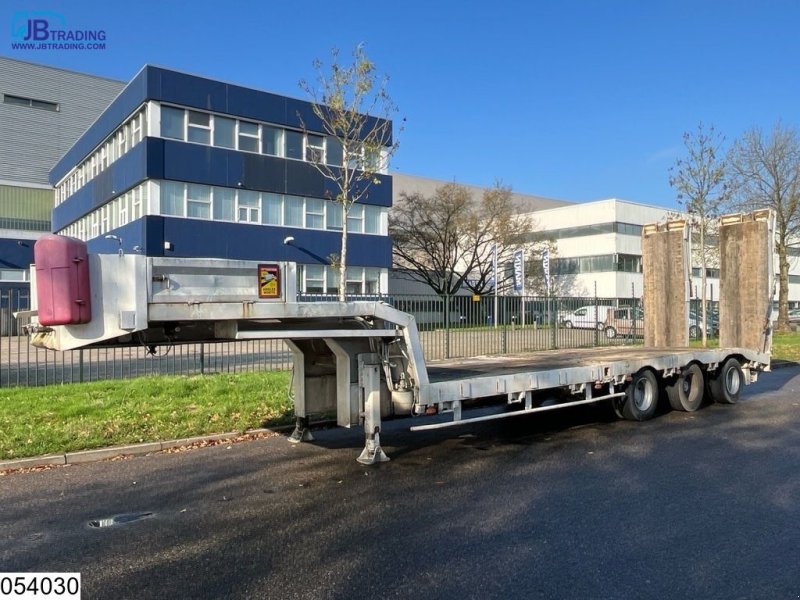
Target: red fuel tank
(62,280)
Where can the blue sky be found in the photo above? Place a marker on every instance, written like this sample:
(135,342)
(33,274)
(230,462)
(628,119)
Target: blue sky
(569,99)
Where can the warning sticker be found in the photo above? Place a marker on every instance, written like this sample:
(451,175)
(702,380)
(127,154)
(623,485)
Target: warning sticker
(269,281)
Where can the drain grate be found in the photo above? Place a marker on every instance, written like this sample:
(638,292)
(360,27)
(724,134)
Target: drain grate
(119,519)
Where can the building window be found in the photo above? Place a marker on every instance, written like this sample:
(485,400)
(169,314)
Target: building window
(199,127)
(30,103)
(333,151)
(138,125)
(172,198)
(293,211)
(629,263)
(272,209)
(172,122)
(224,132)
(248,136)
(321,279)
(315,213)
(628,229)
(294,144)
(333,216)
(249,206)
(372,281)
(272,140)
(355,219)
(198,201)
(315,279)
(224,204)
(332,280)
(372,219)
(315,148)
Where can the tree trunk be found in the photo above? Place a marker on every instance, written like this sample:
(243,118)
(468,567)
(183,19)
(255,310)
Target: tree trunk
(343,257)
(783,288)
(703,282)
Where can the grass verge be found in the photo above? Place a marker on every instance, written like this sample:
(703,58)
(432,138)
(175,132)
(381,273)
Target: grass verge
(81,416)
(786,346)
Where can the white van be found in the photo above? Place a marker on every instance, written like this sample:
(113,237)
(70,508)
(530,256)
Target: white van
(586,317)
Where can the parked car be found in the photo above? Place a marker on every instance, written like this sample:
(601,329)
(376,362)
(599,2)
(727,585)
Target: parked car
(586,317)
(626,322)
(696,324)
(794,316)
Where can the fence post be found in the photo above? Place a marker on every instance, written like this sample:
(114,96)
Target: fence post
(202,358)
(597,314)
(504,337)
(80,365)
(447,324)
(553,320)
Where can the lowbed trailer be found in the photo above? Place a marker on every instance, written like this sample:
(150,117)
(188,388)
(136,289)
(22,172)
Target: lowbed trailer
(364,360)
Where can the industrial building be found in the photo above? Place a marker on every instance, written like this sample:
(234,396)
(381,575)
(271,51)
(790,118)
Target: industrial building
(43,110)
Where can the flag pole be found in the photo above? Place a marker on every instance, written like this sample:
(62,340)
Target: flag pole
(494,270)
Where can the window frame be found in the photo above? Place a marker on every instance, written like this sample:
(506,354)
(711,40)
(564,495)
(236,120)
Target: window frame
(248,136)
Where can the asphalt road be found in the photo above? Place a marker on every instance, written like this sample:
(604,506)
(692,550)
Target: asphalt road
(570,505)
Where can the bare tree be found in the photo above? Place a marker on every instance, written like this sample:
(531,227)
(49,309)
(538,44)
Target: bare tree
(493,235)
(447,238)
(765,173)
(354,109)
(699,178)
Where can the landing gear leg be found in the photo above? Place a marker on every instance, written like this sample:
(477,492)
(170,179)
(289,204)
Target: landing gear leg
(301,432)
(369,383)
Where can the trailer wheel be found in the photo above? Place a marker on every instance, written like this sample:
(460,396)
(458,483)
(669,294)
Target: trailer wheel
(641,398)
(611,333)
(726,384)
(600,325)
(686,392)
(616,405)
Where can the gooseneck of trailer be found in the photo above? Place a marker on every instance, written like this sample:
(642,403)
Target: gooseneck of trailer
(363,361)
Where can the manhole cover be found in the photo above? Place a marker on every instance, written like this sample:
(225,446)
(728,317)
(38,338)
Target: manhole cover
(119,519)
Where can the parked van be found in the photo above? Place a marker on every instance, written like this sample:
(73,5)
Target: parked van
(586,317)
(626,322)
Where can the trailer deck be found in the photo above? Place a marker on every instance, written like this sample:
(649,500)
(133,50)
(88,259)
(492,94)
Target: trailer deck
(619,358)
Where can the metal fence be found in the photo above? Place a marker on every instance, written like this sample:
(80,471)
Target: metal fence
(454,327)
(24,365)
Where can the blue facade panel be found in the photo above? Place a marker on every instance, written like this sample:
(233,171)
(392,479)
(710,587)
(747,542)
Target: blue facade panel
(16,253)
(197,238)
(193,238)
(142,236)
(217,166)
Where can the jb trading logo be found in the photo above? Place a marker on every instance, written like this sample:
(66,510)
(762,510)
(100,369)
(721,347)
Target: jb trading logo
(49,31)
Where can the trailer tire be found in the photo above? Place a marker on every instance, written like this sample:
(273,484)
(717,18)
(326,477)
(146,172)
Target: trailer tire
(616,405)
(611,333)
(641,399)
(600,325)
(686,392)
(726,384)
